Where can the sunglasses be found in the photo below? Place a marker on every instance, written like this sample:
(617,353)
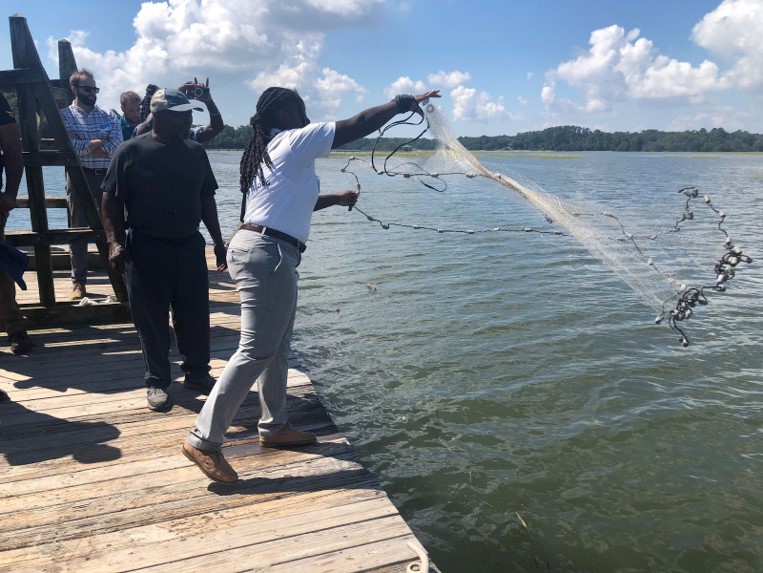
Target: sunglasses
(88,89)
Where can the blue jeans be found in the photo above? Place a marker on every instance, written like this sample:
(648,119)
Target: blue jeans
(265,272)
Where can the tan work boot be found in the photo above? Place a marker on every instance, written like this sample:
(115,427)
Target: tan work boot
(78,292)
(212,463)
(288,436)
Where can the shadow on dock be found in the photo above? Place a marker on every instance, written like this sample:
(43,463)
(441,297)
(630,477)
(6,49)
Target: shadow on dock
(91,480)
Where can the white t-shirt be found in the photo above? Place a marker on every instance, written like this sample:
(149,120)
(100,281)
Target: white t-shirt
(287,202)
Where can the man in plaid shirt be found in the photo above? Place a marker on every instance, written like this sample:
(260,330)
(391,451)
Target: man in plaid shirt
(95,135)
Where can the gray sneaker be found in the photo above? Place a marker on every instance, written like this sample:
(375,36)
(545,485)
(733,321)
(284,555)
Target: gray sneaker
(157,399)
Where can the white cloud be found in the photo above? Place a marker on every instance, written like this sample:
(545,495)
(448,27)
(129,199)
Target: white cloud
(722,116)
(547,95)
(349,9)
(733,31)
(234,42)
(285,76)
(469,105)
(332,87)
(448,80)
(622,66)
(404,85)
(296,70)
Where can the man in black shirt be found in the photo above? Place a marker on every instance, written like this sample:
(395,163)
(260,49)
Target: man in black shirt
(158,187)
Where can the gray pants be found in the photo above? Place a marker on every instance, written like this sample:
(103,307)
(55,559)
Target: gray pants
(265,271)
(78,248)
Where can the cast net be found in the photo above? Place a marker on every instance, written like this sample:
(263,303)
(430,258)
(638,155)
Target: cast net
(645,259)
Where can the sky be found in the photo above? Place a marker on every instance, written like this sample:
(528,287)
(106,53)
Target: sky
(503,67)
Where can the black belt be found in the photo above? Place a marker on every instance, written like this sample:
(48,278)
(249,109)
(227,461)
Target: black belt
(95,170)
(275,234)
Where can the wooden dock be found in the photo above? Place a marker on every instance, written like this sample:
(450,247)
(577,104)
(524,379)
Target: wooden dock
(91,480)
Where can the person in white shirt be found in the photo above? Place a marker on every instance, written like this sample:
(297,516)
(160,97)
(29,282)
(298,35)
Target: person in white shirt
(281,191)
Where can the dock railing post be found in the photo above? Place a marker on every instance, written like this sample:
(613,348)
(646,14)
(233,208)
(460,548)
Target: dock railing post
(36,100)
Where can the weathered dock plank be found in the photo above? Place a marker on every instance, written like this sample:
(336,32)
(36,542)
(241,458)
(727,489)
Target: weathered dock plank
(91,480)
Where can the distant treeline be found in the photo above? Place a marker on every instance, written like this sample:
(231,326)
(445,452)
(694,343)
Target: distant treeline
(563,138)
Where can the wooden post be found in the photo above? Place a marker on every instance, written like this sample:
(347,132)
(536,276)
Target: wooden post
(36,99)
(67,65)
(25,56)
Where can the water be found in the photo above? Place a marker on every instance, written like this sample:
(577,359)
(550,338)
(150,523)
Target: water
(513,396)
(483,377)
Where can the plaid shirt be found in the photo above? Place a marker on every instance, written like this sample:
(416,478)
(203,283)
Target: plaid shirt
(84,127)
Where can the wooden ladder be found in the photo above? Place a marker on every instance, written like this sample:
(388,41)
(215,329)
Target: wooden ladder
(37,98)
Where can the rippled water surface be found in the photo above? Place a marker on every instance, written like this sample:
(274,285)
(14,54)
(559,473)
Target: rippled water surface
(513,395)
(516,398)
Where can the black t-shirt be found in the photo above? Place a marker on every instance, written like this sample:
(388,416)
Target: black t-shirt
(6,117)
(161,185)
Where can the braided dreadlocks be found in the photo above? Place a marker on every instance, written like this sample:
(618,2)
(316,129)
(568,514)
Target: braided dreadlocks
(263,121)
